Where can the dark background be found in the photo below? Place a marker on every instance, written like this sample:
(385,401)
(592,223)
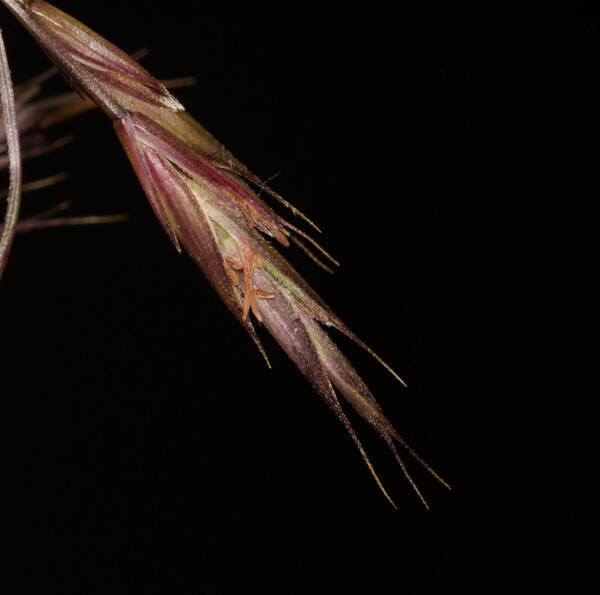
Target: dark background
(151,451)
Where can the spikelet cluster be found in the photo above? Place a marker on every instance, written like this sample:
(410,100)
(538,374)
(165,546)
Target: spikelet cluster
(205,201)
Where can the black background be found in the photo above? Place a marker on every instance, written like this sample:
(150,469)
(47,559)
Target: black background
(151,451)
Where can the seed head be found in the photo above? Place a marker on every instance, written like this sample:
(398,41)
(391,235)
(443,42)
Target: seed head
(203,198)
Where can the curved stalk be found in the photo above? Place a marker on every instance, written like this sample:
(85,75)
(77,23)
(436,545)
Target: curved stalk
(9,117)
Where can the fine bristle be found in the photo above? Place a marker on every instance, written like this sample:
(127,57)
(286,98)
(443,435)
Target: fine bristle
(311,255)
(311,241)
(419,459)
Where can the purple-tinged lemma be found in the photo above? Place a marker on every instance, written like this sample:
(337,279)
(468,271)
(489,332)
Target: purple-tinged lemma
(202,197)
(36,115)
